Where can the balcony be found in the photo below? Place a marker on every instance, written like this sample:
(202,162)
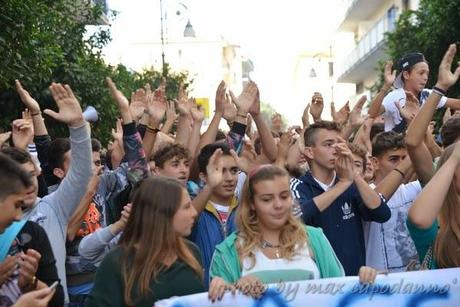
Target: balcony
(82,11)
(360,63)
(356,11)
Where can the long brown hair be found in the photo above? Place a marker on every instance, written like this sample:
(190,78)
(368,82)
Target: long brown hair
(447,244)
(292,236)
(149,238)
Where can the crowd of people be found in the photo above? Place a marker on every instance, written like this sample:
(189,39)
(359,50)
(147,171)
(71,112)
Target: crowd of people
(164,210)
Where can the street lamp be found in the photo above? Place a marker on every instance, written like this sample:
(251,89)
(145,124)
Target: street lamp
(188,31)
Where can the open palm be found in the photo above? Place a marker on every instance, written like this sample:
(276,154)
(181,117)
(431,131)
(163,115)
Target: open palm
(70,111)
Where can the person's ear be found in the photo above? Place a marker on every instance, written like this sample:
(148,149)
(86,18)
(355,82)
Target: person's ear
(156,170)
(58,172)
(405,74)
(375,163)
(308,152)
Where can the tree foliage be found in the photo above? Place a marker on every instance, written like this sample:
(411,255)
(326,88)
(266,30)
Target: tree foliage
(42,41)
(429,30)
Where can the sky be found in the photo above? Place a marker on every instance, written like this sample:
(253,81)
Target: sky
(271,33)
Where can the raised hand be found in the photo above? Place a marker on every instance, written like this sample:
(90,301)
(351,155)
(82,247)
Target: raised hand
(317,106)
(30,103)
(389,75)
(171,114)
(137,105)
(120,225)
(4,137)
(117,133)
(410,108)
(356,119)
(196,111)
(220,98)
(183,105)
(156,108)
(214,169)
(117,95)
(121,101)
(445,76)
(254,110)
(28,265)
(245,162)
(22,133)
(342,115)
(230,111)
(344,162)
(245,100)
(70,111)
(305,119)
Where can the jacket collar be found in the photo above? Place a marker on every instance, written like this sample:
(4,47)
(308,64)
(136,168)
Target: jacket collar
(210,208)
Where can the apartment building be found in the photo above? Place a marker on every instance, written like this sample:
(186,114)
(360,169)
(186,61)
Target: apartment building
(368,21)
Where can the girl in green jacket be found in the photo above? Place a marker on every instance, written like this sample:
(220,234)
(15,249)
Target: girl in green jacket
(271,245)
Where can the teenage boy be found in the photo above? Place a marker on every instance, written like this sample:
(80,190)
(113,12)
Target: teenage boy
(54,211)
(31,239)
(219,171)
(173,160)
(333,196)
(413,75)
(389,246)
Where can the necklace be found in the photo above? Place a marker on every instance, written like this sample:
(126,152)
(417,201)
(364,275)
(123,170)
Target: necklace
(266,244)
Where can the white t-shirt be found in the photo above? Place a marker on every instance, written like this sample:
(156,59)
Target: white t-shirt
(325,186)
(391,115)
(389,246)
(300,267)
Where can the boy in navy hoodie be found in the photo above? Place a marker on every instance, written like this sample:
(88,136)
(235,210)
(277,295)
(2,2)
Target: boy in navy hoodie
(335,197)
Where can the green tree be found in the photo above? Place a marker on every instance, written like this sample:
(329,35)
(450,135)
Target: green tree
(42,41)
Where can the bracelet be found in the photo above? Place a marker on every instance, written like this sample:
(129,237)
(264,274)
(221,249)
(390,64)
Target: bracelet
(153,130)
(402,174)
(37,113)
(439,91)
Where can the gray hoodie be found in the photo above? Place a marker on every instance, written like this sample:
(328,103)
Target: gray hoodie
(54,211)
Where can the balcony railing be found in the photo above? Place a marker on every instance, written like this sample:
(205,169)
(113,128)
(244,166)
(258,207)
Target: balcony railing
(370,41)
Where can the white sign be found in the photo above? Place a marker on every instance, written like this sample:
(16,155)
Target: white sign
(420,288)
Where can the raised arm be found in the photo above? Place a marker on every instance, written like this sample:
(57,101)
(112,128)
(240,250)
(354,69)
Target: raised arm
(376,107)
(184,122)
(394,179)
(210,135)
(426,207)
(355,120)
(214,178)
(420,156)
(266,139)
(72,188)
(156,110)
(316,106)
(132,142)
(82,209)
(198,117)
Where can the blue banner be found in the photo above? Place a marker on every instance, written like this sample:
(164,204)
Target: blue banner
(420,288)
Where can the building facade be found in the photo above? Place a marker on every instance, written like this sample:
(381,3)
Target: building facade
(367,21)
